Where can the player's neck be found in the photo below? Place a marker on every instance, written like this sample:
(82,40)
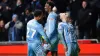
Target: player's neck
(49,11)
(36,18)
(63,20)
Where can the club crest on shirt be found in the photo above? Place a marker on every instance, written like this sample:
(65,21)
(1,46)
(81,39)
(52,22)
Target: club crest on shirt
(51,18)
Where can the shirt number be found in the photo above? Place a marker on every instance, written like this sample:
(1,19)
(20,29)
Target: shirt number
(30,33)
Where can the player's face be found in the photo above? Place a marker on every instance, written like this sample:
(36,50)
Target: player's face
(47,7)
(63,16)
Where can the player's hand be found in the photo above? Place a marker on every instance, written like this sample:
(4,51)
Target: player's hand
(65,49)
(47,46)
(45,42)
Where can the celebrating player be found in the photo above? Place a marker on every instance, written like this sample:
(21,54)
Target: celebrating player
(51,27)
(34,33)
(68,35)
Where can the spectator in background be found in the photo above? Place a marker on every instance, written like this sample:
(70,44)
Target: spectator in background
(4,4)
(61,5)
(11,3)
(27,15)
(84,21)
(35,4)
(7,14)
(14,29)
(42,2)
(1,11)
(6,11)
(98,29)
(3,32)
(75,6)
(95,6)
(19,8)
(25,18)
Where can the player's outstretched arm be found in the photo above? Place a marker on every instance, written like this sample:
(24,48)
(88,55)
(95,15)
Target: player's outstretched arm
(44,36)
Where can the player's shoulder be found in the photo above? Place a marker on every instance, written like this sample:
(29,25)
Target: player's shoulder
(52,15)
(32,23)
(29,22)
(60,24)
(39,25)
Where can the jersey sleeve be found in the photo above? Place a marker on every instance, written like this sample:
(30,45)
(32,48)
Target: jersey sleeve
(60,34)
(41,31)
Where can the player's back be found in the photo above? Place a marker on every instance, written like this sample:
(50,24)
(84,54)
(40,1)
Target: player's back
(32,31)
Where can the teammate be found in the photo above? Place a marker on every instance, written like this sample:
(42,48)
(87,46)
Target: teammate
(34,33)
(68,35)
(51,28)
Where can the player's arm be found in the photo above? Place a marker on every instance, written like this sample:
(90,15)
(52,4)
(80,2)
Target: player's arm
(41,31)
(45,27)
(77,41)
(52,24)
(60,35)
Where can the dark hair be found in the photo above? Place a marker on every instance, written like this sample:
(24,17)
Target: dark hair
(51,3)
(37,12)
(84,1)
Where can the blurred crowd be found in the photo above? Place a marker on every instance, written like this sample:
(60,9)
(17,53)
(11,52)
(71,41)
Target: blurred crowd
(14,15)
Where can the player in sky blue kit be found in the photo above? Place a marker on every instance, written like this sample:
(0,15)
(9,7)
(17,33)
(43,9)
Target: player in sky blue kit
(51,28)
(34,33)
(68,35)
